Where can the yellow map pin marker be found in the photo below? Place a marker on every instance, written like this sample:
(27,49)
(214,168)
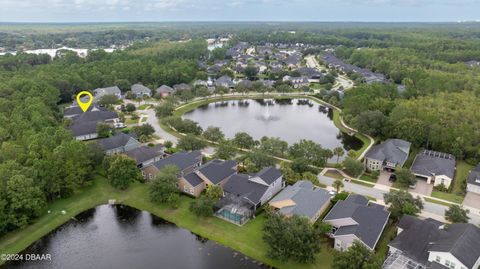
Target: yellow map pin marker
(84,105)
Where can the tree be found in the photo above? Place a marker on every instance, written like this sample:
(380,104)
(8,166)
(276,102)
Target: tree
(213,134)
(402,202)
(371,122)
(191,142)
(103,130)
(310,177)
(202,207)
(289,174)
(337,184)
(24,199)
(165,109)
(353,167)
(130,107)
(243,140)
(405,177)
(338,151)
(310,153)
(122,171)
(108,99)
(358,256)
(225,150)
(292,238)
(273,146)
(250,72)
(456,213)
(168,144)
(214,192)
(256,160)
(144,129)
(163,188)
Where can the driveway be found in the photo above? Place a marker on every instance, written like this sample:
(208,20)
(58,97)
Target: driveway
(423,188)
(472,200)
(383,178)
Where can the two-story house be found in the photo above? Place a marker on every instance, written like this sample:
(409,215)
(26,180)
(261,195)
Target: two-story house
(186,162)
(387,155)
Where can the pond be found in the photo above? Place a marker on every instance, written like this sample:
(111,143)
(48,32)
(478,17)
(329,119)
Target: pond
(122,237)
(288,119)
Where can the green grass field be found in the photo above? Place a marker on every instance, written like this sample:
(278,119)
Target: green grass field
(246,239)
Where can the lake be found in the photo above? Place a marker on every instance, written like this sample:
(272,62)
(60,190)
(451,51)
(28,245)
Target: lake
(288,119)
(122,237)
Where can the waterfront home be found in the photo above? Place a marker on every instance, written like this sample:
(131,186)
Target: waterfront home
(146,155)
(118,143)
(422,244)
(310,73)
(182,87)
(84,126)
(214,172)
(297,82)
(200,83)
(473,180)
(185,161)
(114,90)
(224,81)
(139,91)
(302,199)
(435,167)
(164,91)
(244,194)
(387,155)
(355,219)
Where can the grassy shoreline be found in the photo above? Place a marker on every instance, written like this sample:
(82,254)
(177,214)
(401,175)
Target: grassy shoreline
(246,239)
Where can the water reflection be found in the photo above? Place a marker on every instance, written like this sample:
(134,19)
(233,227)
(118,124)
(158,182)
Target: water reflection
(288,119)
(121,237)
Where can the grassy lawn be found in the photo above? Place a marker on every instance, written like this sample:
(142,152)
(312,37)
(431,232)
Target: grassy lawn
(246,239)
(363,183)
(435,201)
(461,174)
(452,197)
(382,246)
(333,174)
(361,137)
(369,177)
(143,107)
(411,157)
(130,121)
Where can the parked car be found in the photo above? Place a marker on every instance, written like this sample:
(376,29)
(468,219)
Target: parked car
(392,178)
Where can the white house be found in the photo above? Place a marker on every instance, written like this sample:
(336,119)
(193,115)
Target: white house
(435,167)
(473,181)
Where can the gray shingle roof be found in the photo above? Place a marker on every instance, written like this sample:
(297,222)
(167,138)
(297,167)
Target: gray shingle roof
(164,89)
(182,86)
(462,240)
(140,89)
(193,179)
(217,170)
(182,160)
(240,186)
(474,176)
(392,150)
(106,91)
(83,128)
(113,142)
(95,116)
(145,153)
(371,219)
(429,163)
(308,199)
(269,174)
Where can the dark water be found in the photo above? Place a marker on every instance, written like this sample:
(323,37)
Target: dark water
(121,237)
(288,119)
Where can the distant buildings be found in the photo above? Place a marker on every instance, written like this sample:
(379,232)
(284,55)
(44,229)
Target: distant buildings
(297,82)
(114,90)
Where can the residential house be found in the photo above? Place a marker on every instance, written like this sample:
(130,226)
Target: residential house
(310,73)
(215,172)
(473,63)
(297,82)
(139,91)
(387,155)
(146,155)
(422,244)
(186,162)
(244,194)
(84,126)
(302,199)
(261,67)
(200,83)
(164,91)
(434,166)
(114,90)
(75,110)
(182,87)
(224,81)
(356,220)
(118,143)
(473,180)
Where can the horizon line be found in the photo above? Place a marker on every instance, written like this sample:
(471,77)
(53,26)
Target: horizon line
(234,21)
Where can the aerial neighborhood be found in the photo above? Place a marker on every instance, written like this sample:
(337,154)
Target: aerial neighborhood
(288,147)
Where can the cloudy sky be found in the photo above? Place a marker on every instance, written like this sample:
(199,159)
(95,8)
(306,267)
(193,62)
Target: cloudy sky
(237,10)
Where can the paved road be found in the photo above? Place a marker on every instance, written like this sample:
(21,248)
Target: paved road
(431,210)
(342,81)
